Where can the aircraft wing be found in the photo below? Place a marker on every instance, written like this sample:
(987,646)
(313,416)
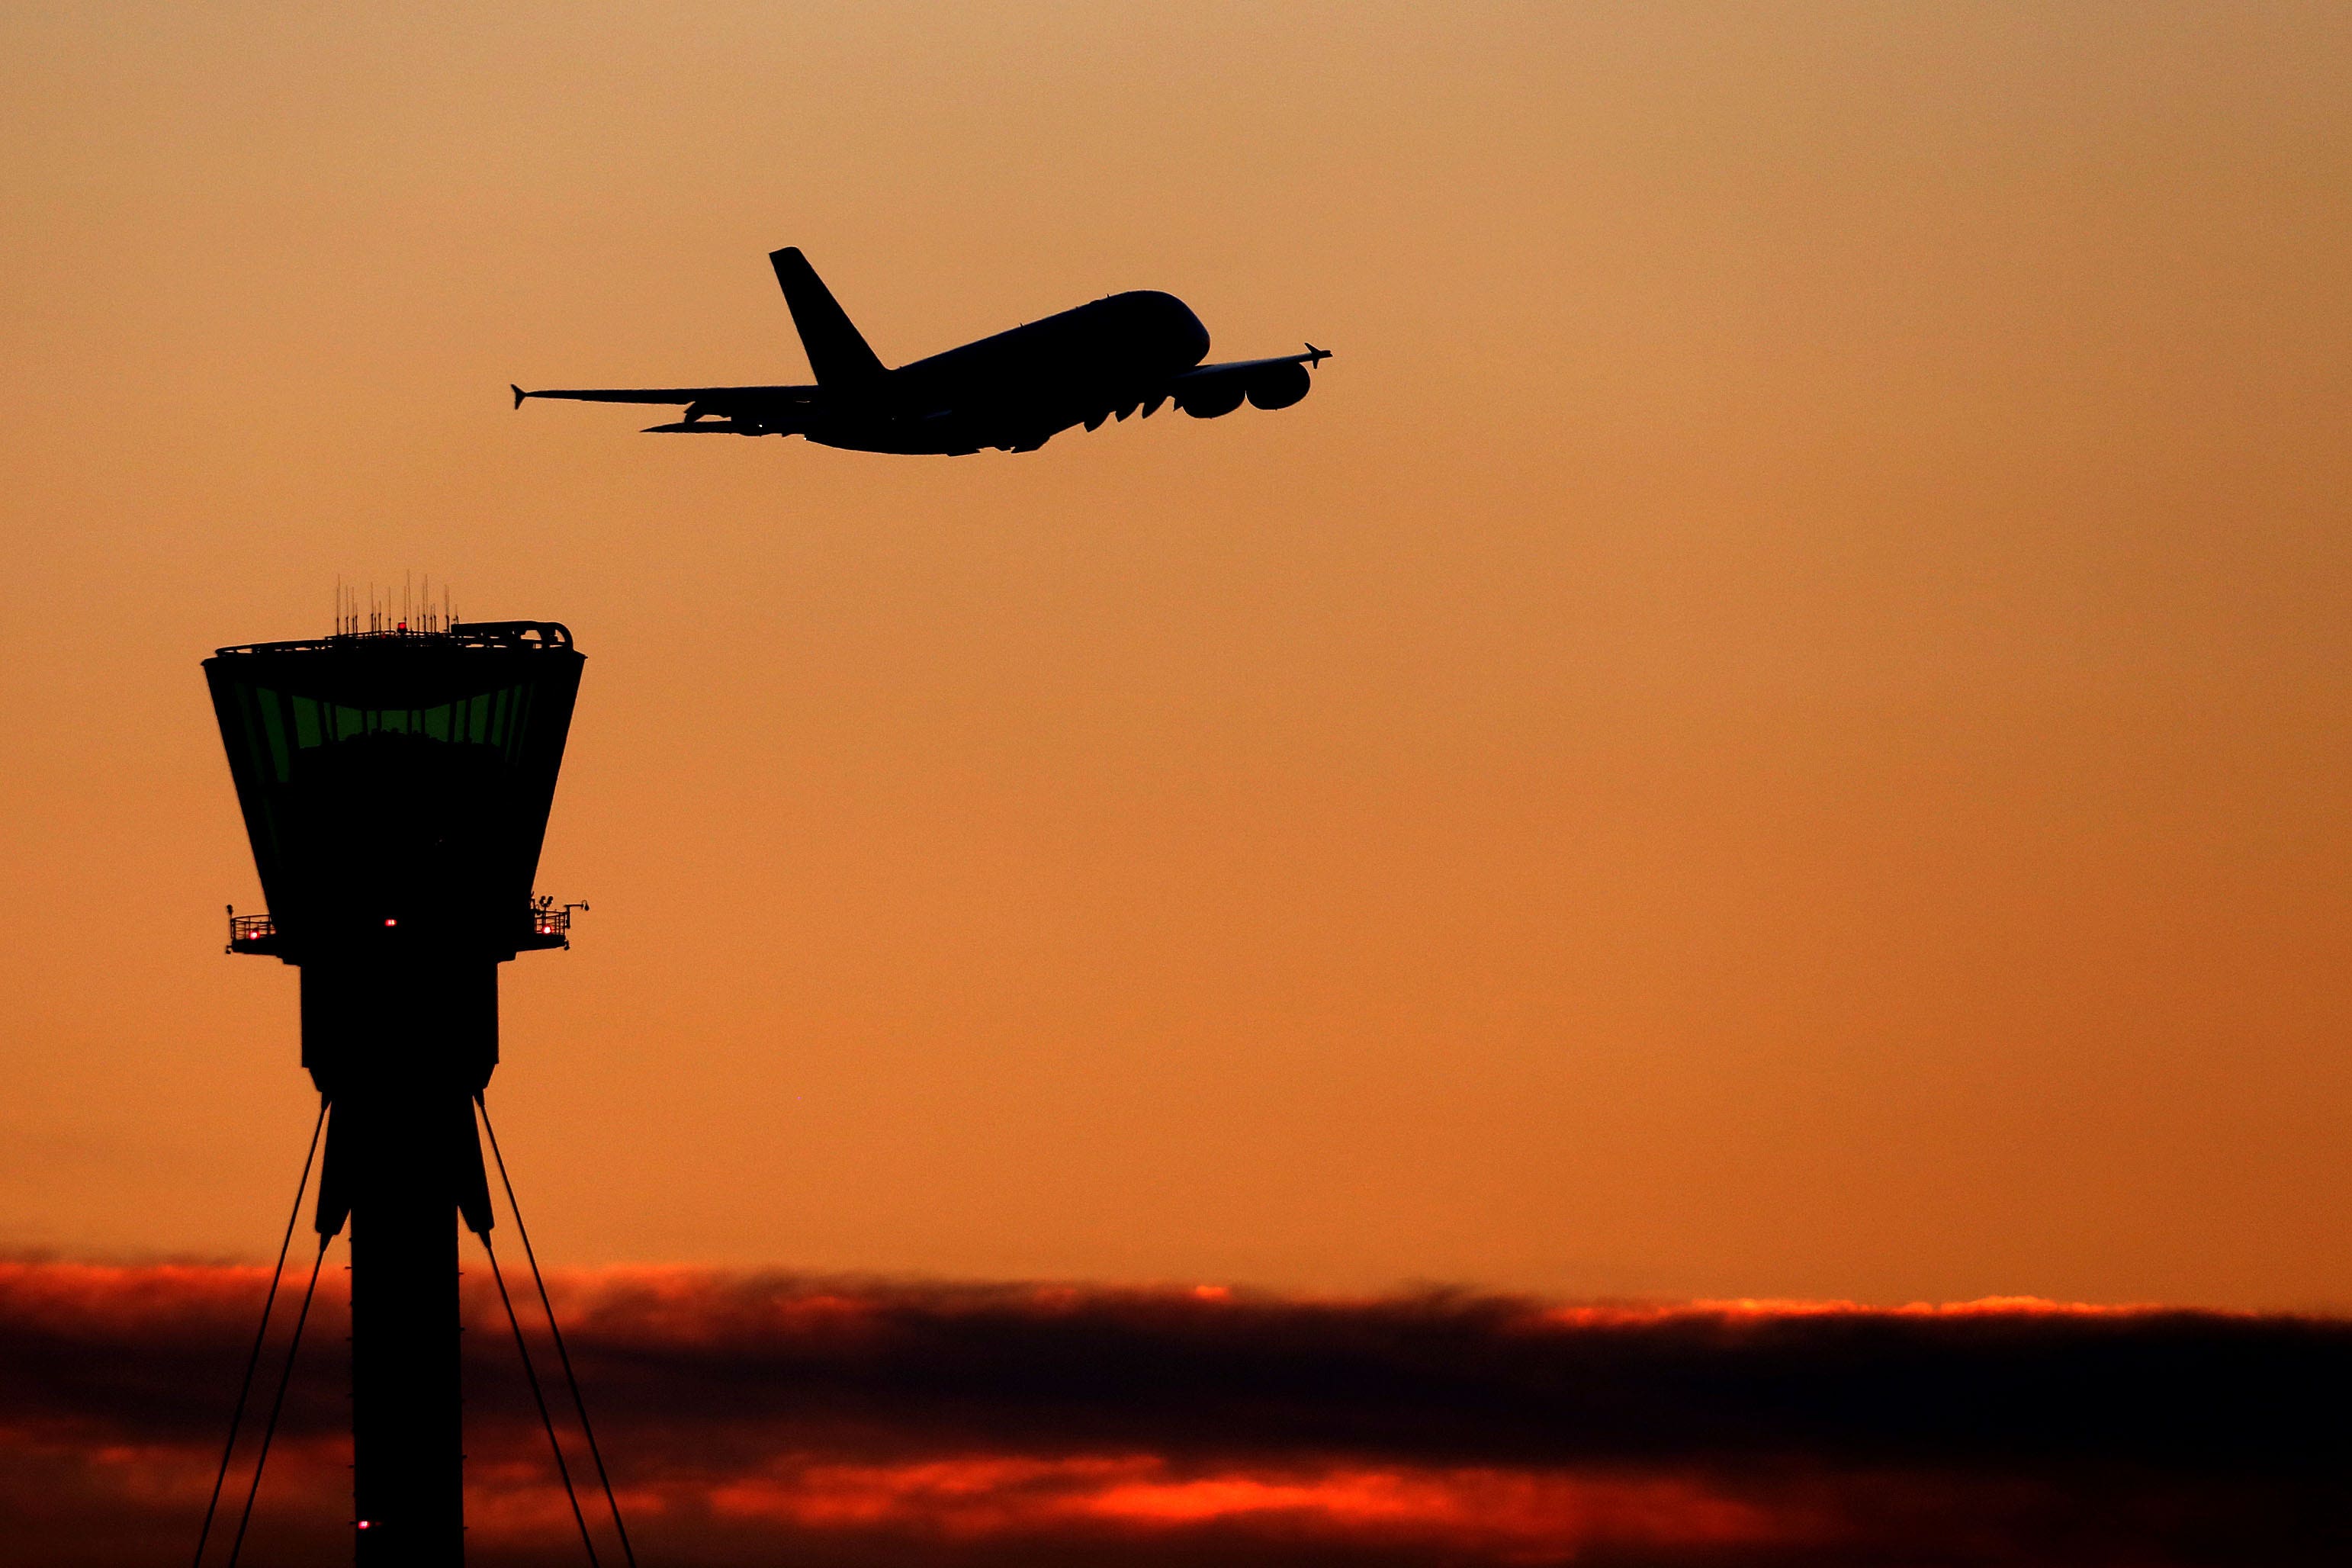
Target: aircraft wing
(1243,370)
(1207,391)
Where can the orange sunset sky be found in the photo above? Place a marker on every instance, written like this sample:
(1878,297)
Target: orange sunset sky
(1776,727)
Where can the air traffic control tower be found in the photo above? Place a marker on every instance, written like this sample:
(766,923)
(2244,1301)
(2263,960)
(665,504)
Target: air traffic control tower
(396,786)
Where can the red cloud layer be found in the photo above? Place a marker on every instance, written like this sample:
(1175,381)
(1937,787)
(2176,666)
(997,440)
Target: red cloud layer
(753,1419)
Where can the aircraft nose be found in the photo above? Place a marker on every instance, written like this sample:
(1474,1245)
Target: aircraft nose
(1186,329)
(1153,322)
(1164,320)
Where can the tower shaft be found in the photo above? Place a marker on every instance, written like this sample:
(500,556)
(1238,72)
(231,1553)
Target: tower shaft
(408,1416)
(399,1044)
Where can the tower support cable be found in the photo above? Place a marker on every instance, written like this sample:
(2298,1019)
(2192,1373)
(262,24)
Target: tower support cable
(277,1404)
(562,1355)
(253,1358)
(540,1399)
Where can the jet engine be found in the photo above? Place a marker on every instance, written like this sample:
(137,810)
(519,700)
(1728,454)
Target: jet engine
(1214,401)
(1279,387)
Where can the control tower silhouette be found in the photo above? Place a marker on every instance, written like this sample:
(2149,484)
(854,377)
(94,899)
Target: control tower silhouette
(395,785)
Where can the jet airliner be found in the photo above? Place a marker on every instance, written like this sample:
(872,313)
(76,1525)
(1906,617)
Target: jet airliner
(1128,354)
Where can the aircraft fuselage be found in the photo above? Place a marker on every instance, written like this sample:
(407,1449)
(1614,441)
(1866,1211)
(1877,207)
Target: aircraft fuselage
(1018,387)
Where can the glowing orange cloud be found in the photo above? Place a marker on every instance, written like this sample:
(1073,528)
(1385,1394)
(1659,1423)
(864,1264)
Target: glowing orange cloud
(1513,1515)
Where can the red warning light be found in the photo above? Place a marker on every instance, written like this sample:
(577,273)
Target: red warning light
(391,922)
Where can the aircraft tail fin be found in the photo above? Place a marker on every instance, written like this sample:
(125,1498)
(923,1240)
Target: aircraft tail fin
(835,351)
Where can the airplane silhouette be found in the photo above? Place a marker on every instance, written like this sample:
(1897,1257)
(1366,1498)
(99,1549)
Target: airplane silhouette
(1013,392)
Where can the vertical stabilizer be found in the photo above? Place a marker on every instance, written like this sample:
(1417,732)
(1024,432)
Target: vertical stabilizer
(835,351)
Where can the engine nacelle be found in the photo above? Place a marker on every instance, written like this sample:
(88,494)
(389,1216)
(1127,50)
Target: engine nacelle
(1279,387)
(1214,401)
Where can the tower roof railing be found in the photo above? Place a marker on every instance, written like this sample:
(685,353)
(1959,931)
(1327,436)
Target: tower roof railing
(521,635)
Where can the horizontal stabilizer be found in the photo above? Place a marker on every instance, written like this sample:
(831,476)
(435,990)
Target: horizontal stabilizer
(761,396)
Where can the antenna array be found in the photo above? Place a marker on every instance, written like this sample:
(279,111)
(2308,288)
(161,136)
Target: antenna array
(419,610)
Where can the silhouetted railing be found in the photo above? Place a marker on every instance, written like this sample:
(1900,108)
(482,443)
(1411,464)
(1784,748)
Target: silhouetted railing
(546,923)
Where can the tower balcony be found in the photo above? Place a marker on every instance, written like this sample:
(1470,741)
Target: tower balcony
(542,924)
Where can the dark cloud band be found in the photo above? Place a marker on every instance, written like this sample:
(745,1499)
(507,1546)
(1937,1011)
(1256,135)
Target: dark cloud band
(745,1412)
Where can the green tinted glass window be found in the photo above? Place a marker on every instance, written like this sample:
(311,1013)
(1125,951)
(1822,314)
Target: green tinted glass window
(279,724)
(273,731)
